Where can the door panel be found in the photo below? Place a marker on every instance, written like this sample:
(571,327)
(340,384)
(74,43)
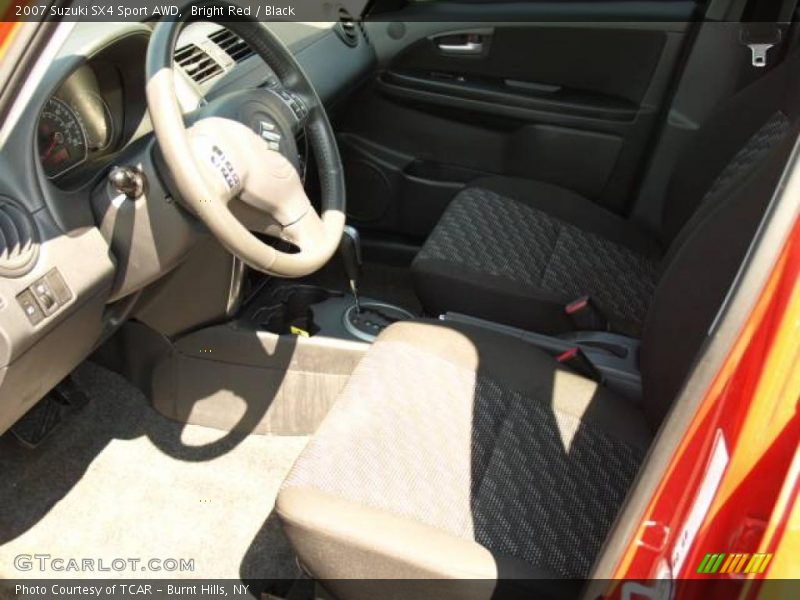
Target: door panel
(573,104)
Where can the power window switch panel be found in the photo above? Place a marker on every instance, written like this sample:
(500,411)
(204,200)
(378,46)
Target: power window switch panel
(51,292)
(30,307)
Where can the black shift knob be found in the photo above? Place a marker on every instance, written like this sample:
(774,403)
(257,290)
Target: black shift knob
(350,249)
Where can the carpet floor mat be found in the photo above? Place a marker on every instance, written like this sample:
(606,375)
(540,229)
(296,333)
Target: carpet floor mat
(118,480)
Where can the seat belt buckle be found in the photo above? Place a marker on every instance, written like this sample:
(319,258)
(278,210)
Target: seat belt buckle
(760,42)
(585,315)
(575,358)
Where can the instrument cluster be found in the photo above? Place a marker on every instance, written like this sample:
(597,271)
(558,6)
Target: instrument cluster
(82,122)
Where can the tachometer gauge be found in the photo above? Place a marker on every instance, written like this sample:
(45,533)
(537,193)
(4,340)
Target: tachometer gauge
(61,138)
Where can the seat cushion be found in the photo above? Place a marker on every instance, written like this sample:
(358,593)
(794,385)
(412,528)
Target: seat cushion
(517,251)
(459,452)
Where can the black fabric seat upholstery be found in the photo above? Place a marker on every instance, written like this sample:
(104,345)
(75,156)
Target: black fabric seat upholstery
(518,251)
(520,462)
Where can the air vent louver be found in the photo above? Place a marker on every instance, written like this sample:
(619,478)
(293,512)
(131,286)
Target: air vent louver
(346,27)
(196,63)
(232,44)
(18,245)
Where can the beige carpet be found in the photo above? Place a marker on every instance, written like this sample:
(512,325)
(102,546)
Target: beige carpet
(117,480)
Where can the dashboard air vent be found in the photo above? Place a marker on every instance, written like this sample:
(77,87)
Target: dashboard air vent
(346,28)
(196,63)
(18,246)
(232,44)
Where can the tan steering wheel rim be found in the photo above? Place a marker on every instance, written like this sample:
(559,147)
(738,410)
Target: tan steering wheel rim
(202,190)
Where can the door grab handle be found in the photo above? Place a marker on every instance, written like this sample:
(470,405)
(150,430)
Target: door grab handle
(465,48)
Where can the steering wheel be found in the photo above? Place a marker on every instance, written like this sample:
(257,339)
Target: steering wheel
(235,164)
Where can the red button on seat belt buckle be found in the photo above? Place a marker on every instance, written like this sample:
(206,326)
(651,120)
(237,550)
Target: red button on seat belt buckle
(577,305)
(576,359)
(585,315)
(565,357)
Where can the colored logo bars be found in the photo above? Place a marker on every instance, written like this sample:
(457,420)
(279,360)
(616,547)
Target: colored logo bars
(734,563)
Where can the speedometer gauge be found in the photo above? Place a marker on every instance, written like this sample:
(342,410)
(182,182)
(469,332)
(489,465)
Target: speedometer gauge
(61,138)
(96,120)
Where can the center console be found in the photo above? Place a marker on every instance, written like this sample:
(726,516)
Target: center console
(279,365)
(310,311)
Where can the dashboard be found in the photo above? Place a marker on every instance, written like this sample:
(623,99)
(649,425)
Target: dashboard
(84,256)
(100,107)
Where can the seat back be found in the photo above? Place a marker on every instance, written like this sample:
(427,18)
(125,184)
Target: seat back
(708,251)
(725,149)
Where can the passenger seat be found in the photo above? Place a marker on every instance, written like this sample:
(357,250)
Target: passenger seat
(517,251)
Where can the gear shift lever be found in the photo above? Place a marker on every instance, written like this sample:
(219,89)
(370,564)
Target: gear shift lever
(364,322)
(350,249)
